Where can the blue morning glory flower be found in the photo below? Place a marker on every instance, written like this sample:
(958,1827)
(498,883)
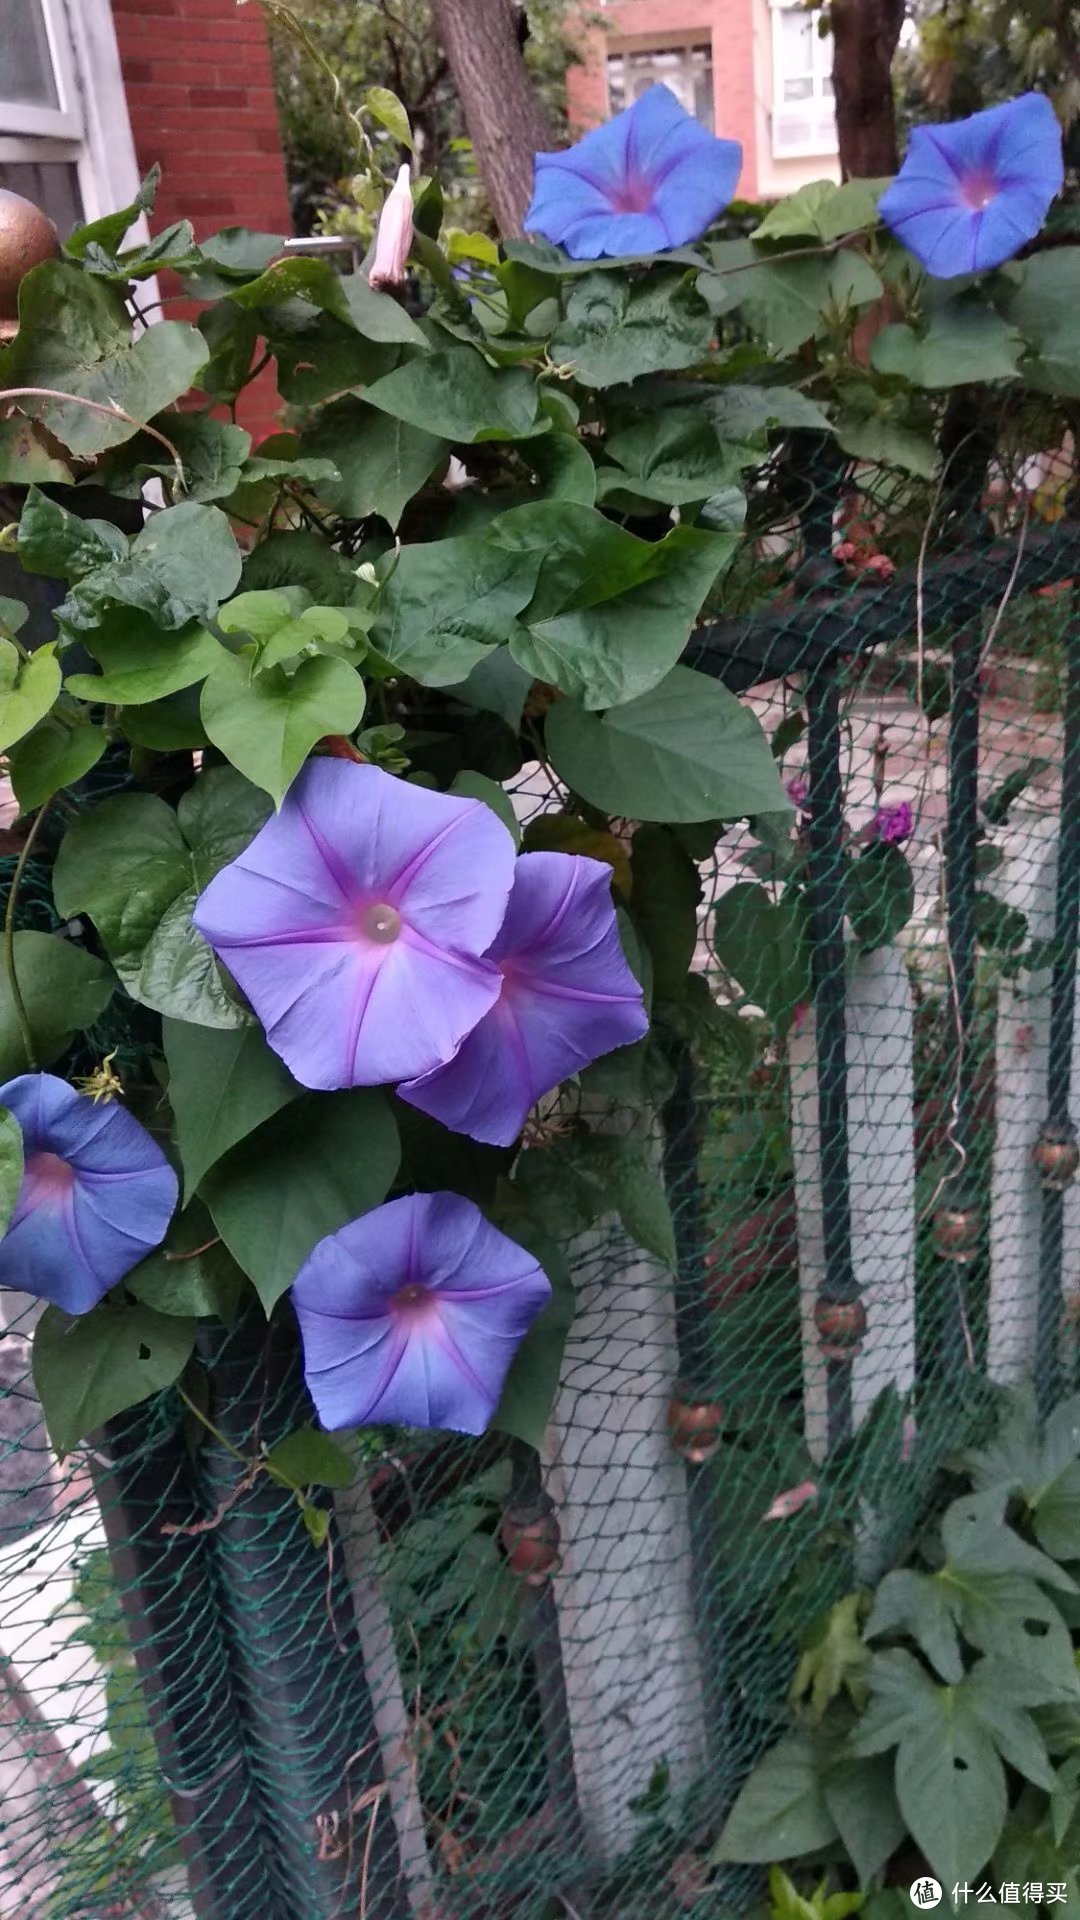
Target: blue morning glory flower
(413,1313)
(650,178)
(972,193)
(97,1194)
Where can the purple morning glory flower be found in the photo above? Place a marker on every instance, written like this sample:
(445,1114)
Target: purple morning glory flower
(970,194)
(567,996)
(356,920)
(97,1194)
(650,178)
(892,824)
(413,1314)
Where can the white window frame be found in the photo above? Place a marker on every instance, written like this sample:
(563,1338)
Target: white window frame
(91,129)
(65,121)
(819,107)
(688,40)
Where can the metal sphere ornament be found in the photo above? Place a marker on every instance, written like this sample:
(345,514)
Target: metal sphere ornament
(1056,1157)
(27,237)
(531,1540)
(841,1325)
(695,1427)
(957,1233)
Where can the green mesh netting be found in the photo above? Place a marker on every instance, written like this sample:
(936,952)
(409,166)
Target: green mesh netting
(204,1712)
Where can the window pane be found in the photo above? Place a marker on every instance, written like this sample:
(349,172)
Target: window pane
(52,185)
(26,69)
(796,43)
(687,71)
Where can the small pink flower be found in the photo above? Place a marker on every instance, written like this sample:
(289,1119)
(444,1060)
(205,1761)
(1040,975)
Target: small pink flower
(797,790)
(790,1502)
(799,1016)
(892,824)
(880,564)
(845,551)
(394,237)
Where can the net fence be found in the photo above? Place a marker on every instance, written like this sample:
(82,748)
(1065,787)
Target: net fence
(496,1684)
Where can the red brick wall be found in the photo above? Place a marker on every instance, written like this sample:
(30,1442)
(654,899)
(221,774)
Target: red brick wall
(201,101)
(727,24)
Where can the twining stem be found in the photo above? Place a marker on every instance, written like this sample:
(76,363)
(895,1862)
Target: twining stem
(17,1000)
(205,1421)
(111,412)
(794,253)
(254,1465)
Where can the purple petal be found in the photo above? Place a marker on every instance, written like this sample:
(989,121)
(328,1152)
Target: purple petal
(567,997)
(649,179)
(413,1314)
(355,922)
(97,1194)
(971,193)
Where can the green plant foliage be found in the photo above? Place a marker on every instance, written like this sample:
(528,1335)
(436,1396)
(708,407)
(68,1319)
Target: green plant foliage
(880,895)
(53,756)
(382,461)
(950,1710)
(508,508)
(63,989)
(27,690)
(223,1083)
(11,1165)
(267,720)
(192,1275)
(572,1183)
(685,751)
(136,866)
(309,1459)
(309,1170)
(764,945)
(90,1368)
(75,337)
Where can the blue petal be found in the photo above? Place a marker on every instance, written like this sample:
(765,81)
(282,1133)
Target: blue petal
(649,179)
(659,132)
(1005,226)
(568,997)
(370,1357)
(609,235)
(561,195)
(1014,151)
(69,1242)
(942,238)
(1028,145)
(697,189)
(599,159)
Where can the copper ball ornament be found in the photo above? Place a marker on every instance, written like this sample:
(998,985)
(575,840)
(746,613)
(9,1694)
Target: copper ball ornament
(957,1233)
(1056,1157)
(841,1325)
(27,237)
(532,1544)
(695,1427)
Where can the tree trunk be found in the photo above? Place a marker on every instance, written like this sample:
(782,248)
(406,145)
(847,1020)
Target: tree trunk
(506,121)
(865,36)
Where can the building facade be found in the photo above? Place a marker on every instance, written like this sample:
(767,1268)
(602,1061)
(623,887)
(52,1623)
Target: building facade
(94,92)
(756,71)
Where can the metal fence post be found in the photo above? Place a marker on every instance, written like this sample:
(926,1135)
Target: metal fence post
(141,1473)
(306,1714)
